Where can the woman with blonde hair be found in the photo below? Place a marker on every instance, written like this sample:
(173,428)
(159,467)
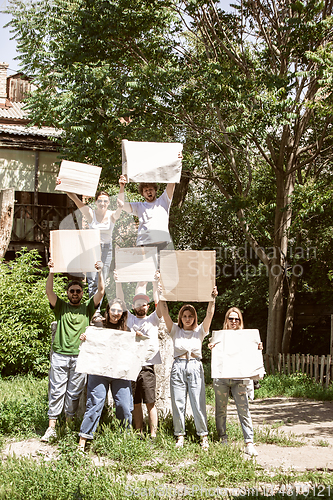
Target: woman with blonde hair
(233,321)
(187,375)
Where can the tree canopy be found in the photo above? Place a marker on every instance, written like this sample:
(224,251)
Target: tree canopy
(249,93)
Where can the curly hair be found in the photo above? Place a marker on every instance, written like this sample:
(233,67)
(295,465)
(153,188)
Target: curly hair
(143,185)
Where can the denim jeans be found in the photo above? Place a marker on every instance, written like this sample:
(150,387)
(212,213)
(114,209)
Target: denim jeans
(65,385)
(96,394)
(239,392)
(92,278)
(187,377)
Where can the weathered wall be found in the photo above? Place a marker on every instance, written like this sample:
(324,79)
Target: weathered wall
(17,170)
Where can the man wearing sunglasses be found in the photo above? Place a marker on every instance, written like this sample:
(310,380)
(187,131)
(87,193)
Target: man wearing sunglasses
(73,317)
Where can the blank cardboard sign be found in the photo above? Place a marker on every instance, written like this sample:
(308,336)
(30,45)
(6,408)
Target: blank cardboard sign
(151,161)
(75,251)
(79,178)
(187,275)
(136,264)
(236,354)
(111,353)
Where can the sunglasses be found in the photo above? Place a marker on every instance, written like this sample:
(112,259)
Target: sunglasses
(116,311)
(75,290)
(234,319)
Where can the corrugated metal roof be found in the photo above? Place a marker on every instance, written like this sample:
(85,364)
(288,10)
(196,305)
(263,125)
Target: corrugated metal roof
(16,111)
(24,130)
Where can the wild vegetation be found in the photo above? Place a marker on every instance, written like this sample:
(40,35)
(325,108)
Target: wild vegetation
(134,467)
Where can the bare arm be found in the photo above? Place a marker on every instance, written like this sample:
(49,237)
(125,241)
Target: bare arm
(121,195)
(165,312)
(116,213)
(100,286)
(156,293)
(119,287)
(170,189)
(210,311)
(49,286)
(171,186)
(84,209)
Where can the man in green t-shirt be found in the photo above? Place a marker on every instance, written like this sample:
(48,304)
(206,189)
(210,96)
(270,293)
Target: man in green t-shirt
(72,319)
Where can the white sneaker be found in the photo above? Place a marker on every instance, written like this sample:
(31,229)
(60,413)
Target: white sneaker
(50,432)
(250,450)
(179,442)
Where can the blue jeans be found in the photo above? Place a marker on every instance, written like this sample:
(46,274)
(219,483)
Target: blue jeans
(96,394)
(239,393)
(188,377)
(65,385)
(92,278)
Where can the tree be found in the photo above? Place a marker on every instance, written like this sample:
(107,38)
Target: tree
(249,93)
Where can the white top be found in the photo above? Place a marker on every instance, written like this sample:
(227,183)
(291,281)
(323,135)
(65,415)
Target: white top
(187,341)
(105,227)
(153,220)
(149,327)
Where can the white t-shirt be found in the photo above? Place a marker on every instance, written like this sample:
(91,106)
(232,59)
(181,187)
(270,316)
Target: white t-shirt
(149,327)
(187,341)
(153,220)
(106,227)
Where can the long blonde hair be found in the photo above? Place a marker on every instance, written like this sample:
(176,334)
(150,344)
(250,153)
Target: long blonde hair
(233,310)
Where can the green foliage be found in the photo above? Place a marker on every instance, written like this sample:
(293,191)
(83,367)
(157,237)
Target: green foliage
(25,315)
(297,385)
(23,406)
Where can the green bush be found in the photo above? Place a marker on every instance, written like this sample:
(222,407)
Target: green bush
(25,315)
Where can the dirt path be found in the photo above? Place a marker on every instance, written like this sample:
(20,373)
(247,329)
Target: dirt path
(309,421)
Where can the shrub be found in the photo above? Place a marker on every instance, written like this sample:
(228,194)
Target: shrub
(25,315)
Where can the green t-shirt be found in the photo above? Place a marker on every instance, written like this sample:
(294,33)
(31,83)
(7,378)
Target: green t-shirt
(71,322)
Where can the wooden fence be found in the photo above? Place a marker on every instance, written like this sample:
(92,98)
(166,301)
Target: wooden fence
(320,368)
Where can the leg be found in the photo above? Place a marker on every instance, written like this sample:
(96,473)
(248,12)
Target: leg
(138,417)
(96,394)
(147,393)
(58,378)
(59,374)
(196,392)
(221,389)
(153,418)
(239,393)
(122,395)
(178,390)
(75,385)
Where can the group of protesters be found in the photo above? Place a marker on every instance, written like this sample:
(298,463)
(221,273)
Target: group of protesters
(187,375)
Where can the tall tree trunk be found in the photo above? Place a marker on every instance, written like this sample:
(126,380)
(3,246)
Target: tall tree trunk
(289,321)
(277,265)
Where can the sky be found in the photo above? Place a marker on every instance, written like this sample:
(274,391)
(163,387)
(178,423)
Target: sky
(8,47)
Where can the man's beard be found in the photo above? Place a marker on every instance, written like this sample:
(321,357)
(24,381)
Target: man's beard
(140,312)
(75,301)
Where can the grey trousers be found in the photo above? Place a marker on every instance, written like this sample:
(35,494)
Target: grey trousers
(65,385)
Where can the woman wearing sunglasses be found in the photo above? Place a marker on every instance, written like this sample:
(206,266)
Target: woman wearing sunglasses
(115,318)
(233,321)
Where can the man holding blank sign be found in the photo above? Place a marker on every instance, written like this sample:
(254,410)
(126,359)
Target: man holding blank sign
(72,319)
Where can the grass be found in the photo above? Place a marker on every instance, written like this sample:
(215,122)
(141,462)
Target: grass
(297,385)
(133,467)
